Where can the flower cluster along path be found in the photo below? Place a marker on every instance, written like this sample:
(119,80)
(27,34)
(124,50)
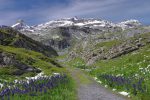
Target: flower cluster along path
(89,89)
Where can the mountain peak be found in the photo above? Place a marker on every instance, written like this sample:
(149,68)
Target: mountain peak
(21,25)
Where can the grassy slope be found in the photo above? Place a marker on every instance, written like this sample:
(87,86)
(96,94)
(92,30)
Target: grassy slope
(135,65)
(32,58)
(107,44)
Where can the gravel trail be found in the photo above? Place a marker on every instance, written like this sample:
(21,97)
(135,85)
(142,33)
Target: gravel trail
(89,89)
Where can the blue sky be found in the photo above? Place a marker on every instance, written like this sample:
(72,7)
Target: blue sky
(39,11)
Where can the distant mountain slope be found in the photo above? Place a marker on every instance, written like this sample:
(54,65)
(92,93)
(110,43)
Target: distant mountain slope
(62,33)
(11,37)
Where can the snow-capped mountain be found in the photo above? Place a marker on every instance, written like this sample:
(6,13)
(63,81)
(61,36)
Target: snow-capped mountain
(66,22)
(91,23)
(20,25)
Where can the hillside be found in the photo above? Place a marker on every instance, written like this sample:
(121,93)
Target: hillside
(21,55)
(122,65)
(11,37)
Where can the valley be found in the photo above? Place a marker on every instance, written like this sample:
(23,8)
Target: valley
(75,59)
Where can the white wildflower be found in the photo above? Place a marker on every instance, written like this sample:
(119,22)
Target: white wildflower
(95,78)
(113,89)
(99,82)
(1,85)
(124,93)
(106,86)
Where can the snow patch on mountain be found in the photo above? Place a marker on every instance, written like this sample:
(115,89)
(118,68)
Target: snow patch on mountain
(129,24)
(79,24)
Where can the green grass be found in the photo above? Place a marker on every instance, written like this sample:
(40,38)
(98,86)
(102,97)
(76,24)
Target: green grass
(7,70)
(77,62)
(134,65)
(108,44)
(31,58)
(60,57)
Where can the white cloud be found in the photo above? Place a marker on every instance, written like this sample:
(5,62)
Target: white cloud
(113,9)
(82,7)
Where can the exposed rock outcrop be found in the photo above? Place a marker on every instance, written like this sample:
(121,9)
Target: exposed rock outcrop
(9,60)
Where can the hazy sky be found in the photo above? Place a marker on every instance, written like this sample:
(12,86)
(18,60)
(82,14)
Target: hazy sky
(39,11)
